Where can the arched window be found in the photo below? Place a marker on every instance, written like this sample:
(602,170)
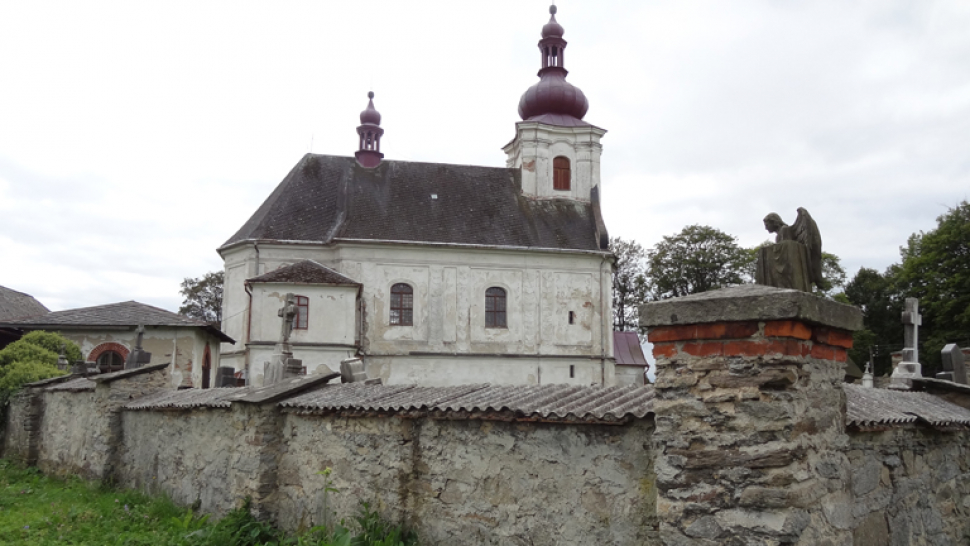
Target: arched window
(402,305)
(561,174)
(110,361)
(495,308)
(302,313)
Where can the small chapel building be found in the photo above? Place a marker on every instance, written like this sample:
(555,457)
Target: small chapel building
(433,273)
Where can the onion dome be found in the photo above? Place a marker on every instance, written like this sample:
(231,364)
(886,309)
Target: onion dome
(553,100)
(369,132)
(552,28)
(370,116)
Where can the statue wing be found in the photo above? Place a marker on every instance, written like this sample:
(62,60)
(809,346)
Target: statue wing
(806,233)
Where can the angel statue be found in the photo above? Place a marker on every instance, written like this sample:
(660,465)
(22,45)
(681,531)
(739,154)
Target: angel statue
(795,260)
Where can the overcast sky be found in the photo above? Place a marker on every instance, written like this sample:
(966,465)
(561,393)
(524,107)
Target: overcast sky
(135,138)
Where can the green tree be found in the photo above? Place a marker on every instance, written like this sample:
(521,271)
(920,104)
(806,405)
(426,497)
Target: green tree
(936,269)
(203,298)
(629,284)
(698,259)
(879,299)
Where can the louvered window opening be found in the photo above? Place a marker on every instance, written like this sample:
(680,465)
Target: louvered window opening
(402,305)
(495,316)
(301,321)
(561,173)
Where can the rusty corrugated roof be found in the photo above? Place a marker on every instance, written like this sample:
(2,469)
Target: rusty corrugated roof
(566,403)
(873,407)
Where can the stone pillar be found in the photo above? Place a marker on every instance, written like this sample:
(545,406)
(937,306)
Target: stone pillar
(749,411)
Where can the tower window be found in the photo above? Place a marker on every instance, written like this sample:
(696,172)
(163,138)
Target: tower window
(402,305)
(302,313)
(561,174)
(495,308)
(572,317)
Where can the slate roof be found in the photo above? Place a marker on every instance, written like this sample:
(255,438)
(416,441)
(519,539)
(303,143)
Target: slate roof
(867,407)
(305,272)
(15,305)
(565,403)
(186,399)
(126,313)
(326,198)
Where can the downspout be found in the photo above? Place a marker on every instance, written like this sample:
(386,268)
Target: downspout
(249,317)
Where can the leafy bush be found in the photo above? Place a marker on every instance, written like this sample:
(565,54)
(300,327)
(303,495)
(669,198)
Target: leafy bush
(32,358)
(52,342)
(15,375)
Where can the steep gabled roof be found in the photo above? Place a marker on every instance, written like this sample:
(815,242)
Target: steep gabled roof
(15,305)
(326,198)
(126,313)
(305,272)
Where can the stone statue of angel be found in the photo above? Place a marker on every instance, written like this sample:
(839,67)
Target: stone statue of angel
(795,260)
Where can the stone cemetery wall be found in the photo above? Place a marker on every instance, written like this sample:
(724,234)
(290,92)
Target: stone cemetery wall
(909,486)
(22,422)
(184,454)
(475,482)
(73,433)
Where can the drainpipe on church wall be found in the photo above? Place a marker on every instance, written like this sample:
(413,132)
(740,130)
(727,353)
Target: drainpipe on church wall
(249,317)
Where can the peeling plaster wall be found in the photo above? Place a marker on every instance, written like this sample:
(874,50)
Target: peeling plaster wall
(331,326)
(186,344)
(475,482)
(449,287)
(909,487)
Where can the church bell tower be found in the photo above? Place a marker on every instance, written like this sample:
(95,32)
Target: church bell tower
(557,152)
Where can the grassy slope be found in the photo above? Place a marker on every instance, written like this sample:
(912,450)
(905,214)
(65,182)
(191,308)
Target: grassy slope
(39,510)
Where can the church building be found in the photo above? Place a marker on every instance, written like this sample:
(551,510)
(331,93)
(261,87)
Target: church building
(433,273)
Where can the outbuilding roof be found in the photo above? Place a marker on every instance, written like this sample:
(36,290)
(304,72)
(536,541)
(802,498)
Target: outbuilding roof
(126,313)
(564,403)
(305,272)
(869,407)
(627,350)
(16,305)
(327,198)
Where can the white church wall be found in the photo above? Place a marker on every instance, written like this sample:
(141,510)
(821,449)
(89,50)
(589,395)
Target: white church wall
(537,144)
(449,284)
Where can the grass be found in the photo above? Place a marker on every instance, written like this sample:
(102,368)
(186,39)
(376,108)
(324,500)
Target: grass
(39,510)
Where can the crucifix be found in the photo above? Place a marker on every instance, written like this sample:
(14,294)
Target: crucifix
(911,323)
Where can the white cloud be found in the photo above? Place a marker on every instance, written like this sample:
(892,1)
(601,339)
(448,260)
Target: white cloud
(138,137)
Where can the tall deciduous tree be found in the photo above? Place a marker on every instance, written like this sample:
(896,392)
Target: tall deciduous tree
(203,298)
(879,299)
(629,284)
(936,269)
(698,259)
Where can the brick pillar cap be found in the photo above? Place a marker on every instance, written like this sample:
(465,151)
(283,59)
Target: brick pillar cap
(751,302)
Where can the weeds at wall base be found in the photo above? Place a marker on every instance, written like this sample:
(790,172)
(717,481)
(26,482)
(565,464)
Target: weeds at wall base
(41,510)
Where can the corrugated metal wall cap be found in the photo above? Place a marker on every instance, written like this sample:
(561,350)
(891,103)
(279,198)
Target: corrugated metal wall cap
(538,401)
(869,407)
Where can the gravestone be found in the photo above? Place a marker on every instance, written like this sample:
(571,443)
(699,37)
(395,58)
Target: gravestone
(352,371)
(62,363)
(279,367)
(953,364)
(909,368)
(226,377)
(138,357)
